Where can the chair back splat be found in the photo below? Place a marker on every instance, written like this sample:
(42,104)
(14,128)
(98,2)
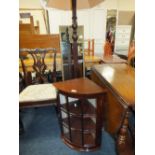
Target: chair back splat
(39,66)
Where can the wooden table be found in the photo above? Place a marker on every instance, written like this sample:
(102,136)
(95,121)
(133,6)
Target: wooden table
(113,59)
(119,79)
(89,62)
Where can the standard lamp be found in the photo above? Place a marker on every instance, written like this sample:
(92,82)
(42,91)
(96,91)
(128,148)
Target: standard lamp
(73,5)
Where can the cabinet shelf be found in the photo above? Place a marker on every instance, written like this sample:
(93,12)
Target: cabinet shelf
(89,139)
(75,124)
(75,109)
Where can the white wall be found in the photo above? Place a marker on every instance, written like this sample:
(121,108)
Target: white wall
(108,4)
(128,5)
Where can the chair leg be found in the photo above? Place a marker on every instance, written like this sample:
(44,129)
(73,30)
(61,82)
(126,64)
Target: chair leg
(56,109)
(21,127)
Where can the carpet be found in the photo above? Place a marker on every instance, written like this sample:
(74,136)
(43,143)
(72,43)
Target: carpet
(42,135)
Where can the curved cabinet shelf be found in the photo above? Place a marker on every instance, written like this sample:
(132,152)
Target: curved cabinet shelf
(76,125)
(89,140)
(75,109)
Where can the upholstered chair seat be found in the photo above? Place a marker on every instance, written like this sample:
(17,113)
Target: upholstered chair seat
(37,93)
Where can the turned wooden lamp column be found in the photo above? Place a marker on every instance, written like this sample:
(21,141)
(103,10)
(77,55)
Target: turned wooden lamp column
(75,38)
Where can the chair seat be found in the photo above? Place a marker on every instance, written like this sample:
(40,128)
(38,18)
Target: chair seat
(39,92)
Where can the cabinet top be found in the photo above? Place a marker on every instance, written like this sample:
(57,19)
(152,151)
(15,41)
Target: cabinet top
(82,87)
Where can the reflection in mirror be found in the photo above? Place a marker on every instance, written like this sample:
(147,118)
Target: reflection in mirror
(124,33)
(110,30)
(66,32)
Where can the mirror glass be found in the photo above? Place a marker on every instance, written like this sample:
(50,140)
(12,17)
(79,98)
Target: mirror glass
(111,27)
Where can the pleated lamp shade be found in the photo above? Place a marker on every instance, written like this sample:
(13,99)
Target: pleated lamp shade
(67,4)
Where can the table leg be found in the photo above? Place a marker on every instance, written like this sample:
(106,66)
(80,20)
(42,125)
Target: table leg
(124,142)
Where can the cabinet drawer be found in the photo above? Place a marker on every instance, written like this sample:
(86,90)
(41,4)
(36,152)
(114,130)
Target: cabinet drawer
(123,36)
(123,42)
(123,30)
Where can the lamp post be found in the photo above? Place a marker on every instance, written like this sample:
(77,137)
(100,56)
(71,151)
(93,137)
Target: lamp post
(75,38)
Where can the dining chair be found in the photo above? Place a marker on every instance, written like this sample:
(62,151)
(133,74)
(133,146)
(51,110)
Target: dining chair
(107,48)
(90,50)
(21,82)
(38,90)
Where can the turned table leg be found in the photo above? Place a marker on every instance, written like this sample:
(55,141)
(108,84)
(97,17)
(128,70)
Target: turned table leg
(122,136)
(123,143)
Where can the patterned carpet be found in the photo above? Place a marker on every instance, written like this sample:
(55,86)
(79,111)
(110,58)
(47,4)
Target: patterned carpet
(42,135)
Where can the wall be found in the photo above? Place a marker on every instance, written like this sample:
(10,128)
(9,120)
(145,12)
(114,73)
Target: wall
(107,4)
(30,4)
(128,5)
(125,17)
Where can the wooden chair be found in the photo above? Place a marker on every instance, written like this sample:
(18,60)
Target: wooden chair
(38,91)
(90,50)
(39,41)
(107,48)
(27,28)
(21,82)
(37,28)
(38,94)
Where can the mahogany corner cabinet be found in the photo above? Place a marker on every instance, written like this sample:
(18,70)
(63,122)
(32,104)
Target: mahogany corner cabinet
(80,110)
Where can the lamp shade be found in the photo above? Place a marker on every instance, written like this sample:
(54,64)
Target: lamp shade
(67,4)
